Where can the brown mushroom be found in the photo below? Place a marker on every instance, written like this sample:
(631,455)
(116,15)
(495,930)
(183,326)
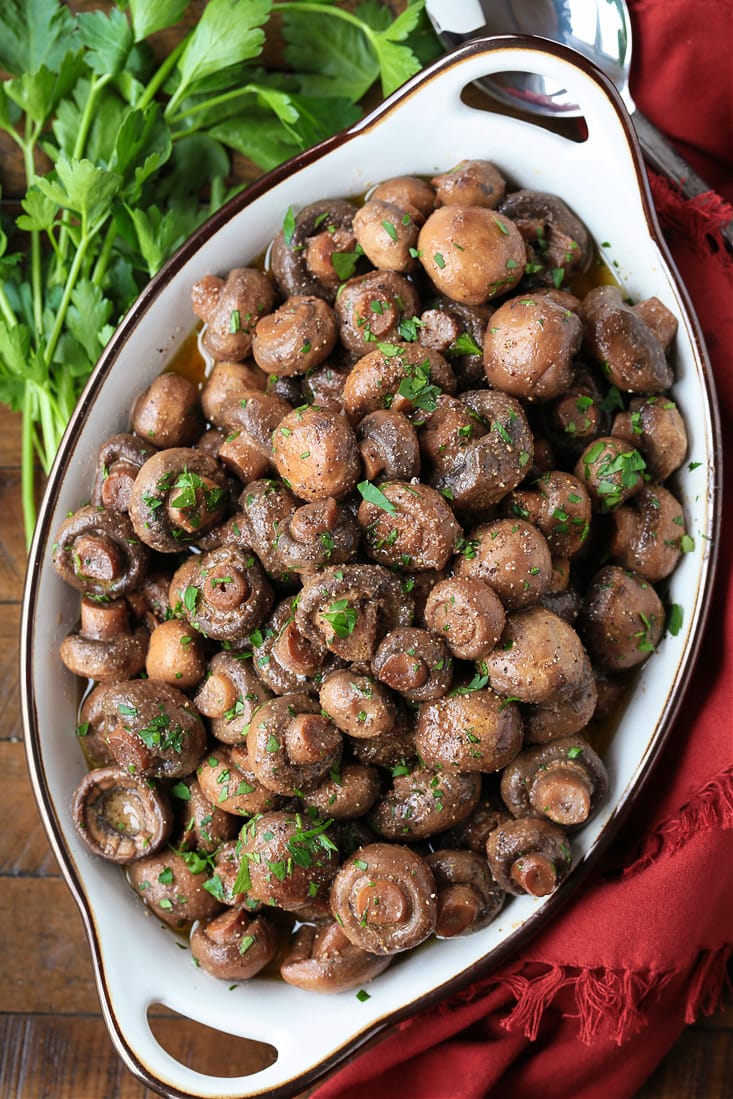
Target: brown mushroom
(622,619)
(564,781)
(200,826)
(324,386)
(349,609)
(121,816)
(229,696)
(457,331)
(373,307)
(153,728)
(558,243)
(105,648)
(473,730)
(468,614)
(468,896)
(234,945)
(633,358)
(97,552)
(92,730)
(538,658)
(315,452)
(319,533)
(322,959)
(223,593)
(559,506)
(529,856)
(118,463)
(299,335)
(291,745)
(416,663)
(408,527)
(178,495)
(168,413)
(567,713)
(580,413)
(407,193)
(648,533)
(287,859)
(348,792)
(405,377)
(388,446)
(227,382)
(470,183)
(230,785)
(513,557)
(529,347)
(654,425)
(285,659)
(388,235)
(176,655)
(358,704)
(449,429)
(176,893)
(230,309)
(659,319)
(302,252)
(393,748)
(473,832)
(249,423)
(472,254)
(384,898)
(423,801)
(611,470)
(266,508)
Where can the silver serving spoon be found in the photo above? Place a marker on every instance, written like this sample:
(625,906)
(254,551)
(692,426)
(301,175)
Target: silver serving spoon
(600,30)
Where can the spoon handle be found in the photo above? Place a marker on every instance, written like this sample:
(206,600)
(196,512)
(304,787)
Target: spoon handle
(664,159)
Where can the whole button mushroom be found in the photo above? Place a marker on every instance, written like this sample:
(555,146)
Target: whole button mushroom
(316,454)
(388,235)
(472,833)
(410,193)
(176,655)
(358,704)
(654,425)
(611,470)
(91,728)
(449,429)
(468,614)
(384,898)
(200,826)
(388,446)
(471,254)
(174,891)
(105,647)
(578,414)
(408,527)
(322,959)
(415,663)
(423,801)
(234,945)
(562,716)
(648,533)
(468,896)
(529,347)
(291,745)
(223,594)
(287,859)
(513,557)
(266,508)
(228,382)
(303,250)
(498,452)
(404,377)
(121,816)
(529,856)
(153,728)
(539,657)
(470,183)
(564,781)
(168,413)
(229,784)
(558,243)
(249,423)
(350,608)
(319,533)
(633,358)
(473,731)
(457,331)
(229,696)
(373,308)
(661,320)
(285,659)
(230,309)
(178,495)
(118,463)
(559,506)
(347,793)
(324,386)
(97,552)
(298,336)
(622,619)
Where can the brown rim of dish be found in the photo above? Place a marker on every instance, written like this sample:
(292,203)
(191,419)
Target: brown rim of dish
(378,1029)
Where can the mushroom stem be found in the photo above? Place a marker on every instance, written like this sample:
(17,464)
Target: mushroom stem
(104,621)
(563,794)
(535,874)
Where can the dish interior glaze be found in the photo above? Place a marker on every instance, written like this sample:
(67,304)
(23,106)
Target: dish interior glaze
(423,128)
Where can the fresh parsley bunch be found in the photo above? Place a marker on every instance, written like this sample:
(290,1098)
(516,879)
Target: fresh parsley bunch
(140,149)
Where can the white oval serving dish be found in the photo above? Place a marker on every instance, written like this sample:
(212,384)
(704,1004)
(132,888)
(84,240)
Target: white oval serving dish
(422,128)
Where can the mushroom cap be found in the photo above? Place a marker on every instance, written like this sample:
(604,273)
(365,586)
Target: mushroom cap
(538,658)
(423,801)
(468,896)
(234,945)
(323,959)
(174,891)
(471,254)
(178,494)
(315,452)
(530,346)
(473,731)
(153,728)
(97,552)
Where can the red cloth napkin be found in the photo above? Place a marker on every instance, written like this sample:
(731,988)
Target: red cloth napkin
(594,1002)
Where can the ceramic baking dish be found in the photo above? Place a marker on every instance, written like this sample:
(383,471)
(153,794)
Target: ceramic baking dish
(423,128)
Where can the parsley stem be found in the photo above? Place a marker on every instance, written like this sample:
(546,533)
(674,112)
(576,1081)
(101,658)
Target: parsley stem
(100,267)
(162,75)
(215,101)
(71,279)
(36,285)
(327,9)
(6,309)
(81,139)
